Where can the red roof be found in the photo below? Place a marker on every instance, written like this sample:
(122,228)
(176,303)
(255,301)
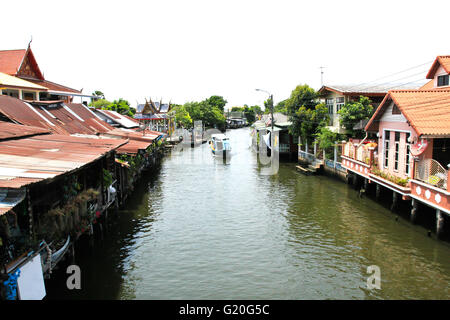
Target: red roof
(428,112)
(443,61)
(52,86)
(11,60)
(10,130)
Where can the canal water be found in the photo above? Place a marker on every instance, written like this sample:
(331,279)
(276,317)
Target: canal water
(203,229)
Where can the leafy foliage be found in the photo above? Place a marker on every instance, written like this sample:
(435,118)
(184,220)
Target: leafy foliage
(301,96)
(210,115)
(307,122)
(121,106)
(351,113)
(100,103)
(217,101)
(182,117)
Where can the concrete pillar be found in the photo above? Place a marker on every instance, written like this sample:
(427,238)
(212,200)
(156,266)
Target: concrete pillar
(378,191)
(394,200)
(439,223)
(335,154)
(414,211)
(315,149)
(324,155)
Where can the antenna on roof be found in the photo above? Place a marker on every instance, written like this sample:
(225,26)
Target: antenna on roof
(321,75)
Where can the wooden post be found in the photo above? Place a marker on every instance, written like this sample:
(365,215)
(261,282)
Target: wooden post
(30,214)
(439,223)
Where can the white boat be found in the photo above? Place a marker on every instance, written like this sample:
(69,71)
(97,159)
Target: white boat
(220,145)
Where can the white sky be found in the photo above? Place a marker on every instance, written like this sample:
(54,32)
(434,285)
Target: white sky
(189,50)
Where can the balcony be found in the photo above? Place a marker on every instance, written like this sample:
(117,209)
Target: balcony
(431,172)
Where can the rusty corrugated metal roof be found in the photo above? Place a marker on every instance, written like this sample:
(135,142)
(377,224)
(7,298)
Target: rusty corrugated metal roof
(133,146)
(33,159)
(10,130)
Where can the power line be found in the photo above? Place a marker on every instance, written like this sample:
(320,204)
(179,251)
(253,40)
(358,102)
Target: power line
(393,74)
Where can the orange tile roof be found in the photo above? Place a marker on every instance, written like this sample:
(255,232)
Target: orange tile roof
(427,111)
(430,86)
(443,61)
(10,60)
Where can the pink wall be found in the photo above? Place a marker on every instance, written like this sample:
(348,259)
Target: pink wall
(403,128)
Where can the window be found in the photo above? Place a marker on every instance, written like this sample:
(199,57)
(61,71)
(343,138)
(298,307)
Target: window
(330,105)
(11,93)
(397,147)
(442,80)
(29,95)
(395,109)
(397,150)
(408,155)
(387,134)
(339,103)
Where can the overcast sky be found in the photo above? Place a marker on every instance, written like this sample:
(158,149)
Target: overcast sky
(189,50)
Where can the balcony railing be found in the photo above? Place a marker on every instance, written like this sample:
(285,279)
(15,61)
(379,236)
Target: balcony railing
(361,153)
(430,171)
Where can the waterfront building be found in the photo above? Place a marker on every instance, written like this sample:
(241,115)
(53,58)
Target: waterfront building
(156,116)
(26,80)
(287,144)
(336,96)
(406,148)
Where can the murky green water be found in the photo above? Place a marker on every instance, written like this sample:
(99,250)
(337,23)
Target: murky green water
(201,229)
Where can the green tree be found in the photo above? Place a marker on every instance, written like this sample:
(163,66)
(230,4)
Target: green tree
(100,103)
(353,112)
(301,96)
(210,115)
(182,117)
(306,122)
(121,106)
(217,101)
(99,94)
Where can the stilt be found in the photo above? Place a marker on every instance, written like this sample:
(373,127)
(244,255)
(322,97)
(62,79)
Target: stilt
(439,224)
(394,200)
(378,191)
(414,212)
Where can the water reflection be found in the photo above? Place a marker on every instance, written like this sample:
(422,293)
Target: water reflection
(202,229)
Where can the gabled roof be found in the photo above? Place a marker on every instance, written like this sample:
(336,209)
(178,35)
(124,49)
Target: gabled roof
(443,61)
(10,61)
(428,112)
